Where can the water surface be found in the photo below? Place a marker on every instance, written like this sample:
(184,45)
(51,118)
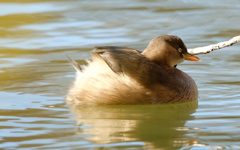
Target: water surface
(35,74)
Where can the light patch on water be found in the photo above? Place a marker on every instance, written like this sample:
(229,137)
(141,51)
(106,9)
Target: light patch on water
(60,25)
(60,42)
(11,62)
(26,8)
(24,101)
(70,76)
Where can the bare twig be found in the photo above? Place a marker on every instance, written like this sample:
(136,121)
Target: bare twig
(208,49)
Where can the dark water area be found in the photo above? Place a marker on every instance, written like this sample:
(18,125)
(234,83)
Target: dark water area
(35,74)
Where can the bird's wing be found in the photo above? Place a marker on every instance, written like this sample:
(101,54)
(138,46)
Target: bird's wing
(119,59)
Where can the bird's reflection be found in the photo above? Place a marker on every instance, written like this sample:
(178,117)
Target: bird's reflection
(158,126)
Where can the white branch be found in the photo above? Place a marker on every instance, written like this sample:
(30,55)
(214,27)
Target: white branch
(208,49)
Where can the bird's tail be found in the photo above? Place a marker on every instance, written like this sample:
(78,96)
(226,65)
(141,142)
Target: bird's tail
(75,64)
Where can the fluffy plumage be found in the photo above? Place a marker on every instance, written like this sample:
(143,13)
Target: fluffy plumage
(121,75)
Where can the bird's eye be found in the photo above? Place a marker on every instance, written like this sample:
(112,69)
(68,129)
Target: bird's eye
(180,50)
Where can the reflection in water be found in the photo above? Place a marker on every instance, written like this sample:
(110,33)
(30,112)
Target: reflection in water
(158,126)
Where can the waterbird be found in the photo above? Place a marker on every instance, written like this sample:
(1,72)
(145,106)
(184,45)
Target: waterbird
(122,75)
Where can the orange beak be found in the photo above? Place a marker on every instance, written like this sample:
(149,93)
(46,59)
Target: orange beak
(190,57)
